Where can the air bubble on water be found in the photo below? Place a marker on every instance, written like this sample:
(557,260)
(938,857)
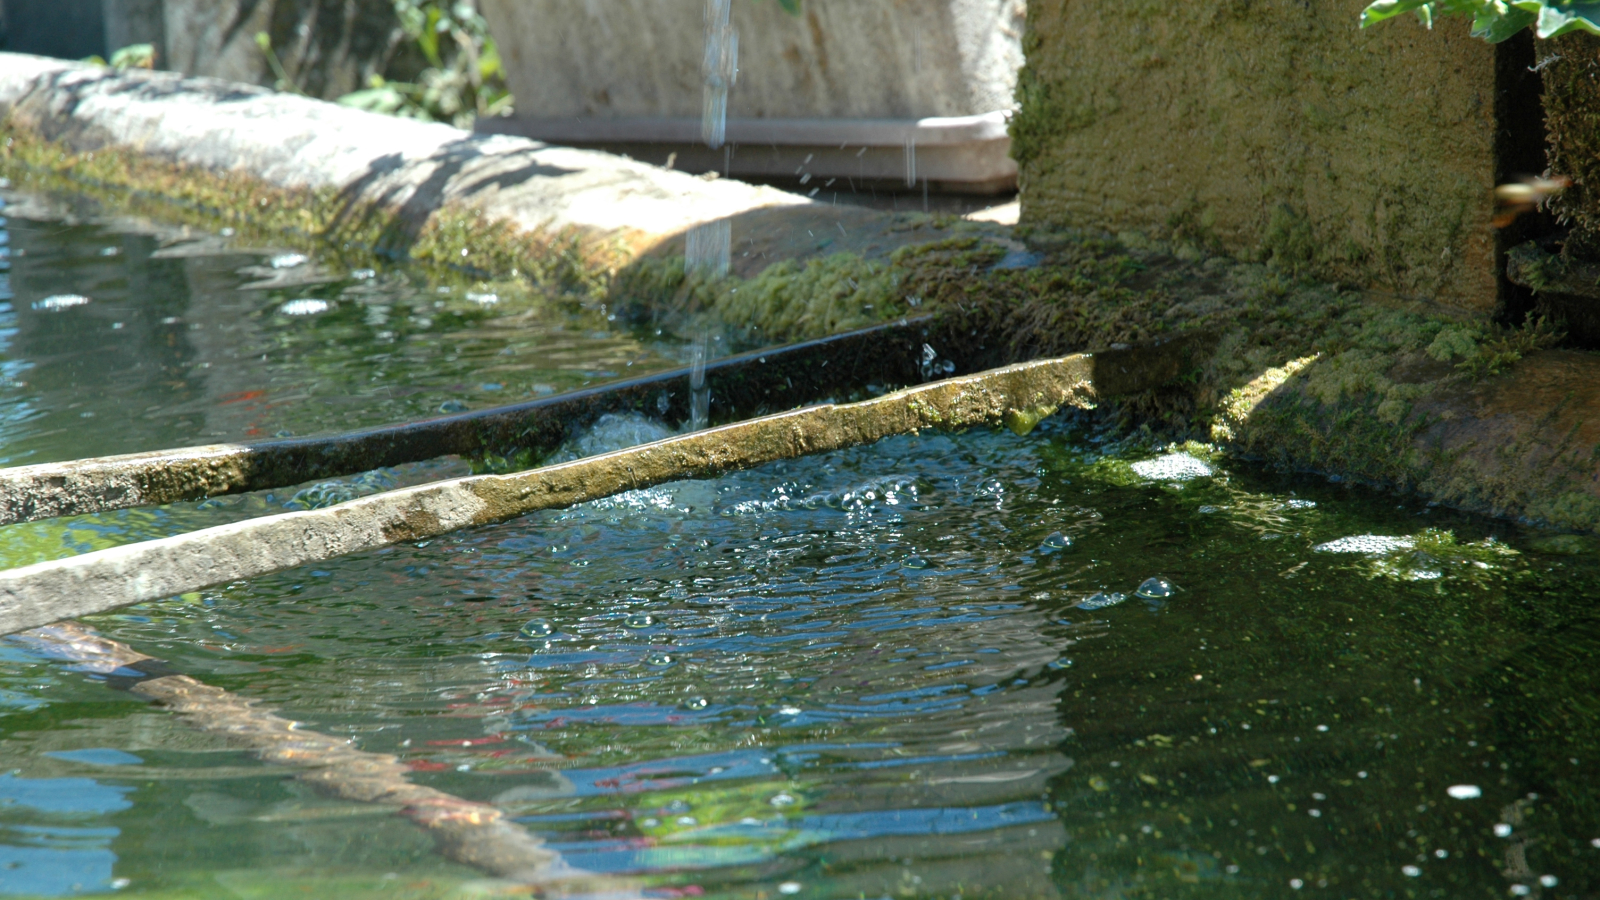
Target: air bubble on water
(1520,890)
(306,306)
(1101,600)
(783,799)
(659,659)
(452,406)
(1464,791)
(1548,881)
(789,710)
(789,887)
(1411,871)
(1056,541)
(1366,543)
(688,821)
(1502,830)
(288,260)
(364,274)
(1299,504)
(1156,588)
(536,628)
(639,620)
(695,703)
(915,562)
(110,251)
(483,299)
(1172,467)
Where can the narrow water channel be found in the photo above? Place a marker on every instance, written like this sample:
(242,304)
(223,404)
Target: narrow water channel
(978,666)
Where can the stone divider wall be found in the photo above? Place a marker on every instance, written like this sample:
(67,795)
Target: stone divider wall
(1274,129)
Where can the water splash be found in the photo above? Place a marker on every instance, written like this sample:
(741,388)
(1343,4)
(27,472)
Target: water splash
(613,431)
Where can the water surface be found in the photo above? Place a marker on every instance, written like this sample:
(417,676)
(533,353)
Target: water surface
(919,669)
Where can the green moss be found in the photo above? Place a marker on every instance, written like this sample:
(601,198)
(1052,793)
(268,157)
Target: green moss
(454,242)
(794,300)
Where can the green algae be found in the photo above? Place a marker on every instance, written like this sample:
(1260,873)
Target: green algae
(455,242)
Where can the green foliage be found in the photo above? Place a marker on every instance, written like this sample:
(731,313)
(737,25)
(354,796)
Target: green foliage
(1496,20)
(133,56)
(463,80)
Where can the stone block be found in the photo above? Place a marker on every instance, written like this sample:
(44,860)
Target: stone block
(1271,129)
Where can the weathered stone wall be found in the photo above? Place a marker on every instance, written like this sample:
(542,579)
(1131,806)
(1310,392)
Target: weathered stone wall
(1273,129)
(837,58)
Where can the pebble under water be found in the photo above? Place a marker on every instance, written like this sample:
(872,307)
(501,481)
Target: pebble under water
(978,666)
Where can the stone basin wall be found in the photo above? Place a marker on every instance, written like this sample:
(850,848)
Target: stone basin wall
(1273,130)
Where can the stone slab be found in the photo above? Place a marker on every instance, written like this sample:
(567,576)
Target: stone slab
(410,167)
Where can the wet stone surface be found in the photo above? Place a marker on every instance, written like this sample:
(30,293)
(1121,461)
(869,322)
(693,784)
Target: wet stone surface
(880,671)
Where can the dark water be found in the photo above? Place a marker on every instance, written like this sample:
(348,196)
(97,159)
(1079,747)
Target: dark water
(895,671)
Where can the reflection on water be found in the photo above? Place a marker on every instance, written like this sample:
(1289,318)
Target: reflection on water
(879,672)
(182,340)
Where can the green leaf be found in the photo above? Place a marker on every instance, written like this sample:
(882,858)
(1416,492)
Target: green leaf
(1496,21)
(1388,9)
(1556,20)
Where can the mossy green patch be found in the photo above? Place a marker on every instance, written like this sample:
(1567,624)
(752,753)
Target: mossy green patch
(454,242)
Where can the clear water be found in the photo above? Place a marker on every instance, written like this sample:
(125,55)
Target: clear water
(902,671)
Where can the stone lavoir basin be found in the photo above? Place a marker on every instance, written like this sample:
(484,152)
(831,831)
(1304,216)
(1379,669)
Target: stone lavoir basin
(976,665)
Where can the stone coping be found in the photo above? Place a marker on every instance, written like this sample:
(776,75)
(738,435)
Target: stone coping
(407,166)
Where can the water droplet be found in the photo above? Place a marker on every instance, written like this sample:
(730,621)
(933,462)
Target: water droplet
(1411,871)
(1464,791)
(534,628)
(1101,600)
(1502,830)
(915,562)
(1155,589)
(1056,541)
(452,406)
(649,823)
(659,659)
(639,620)
(58,302)
(1314,813)
(1442,853)
(783,800)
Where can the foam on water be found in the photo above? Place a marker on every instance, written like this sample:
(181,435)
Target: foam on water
(1366,543)
(1172,467)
